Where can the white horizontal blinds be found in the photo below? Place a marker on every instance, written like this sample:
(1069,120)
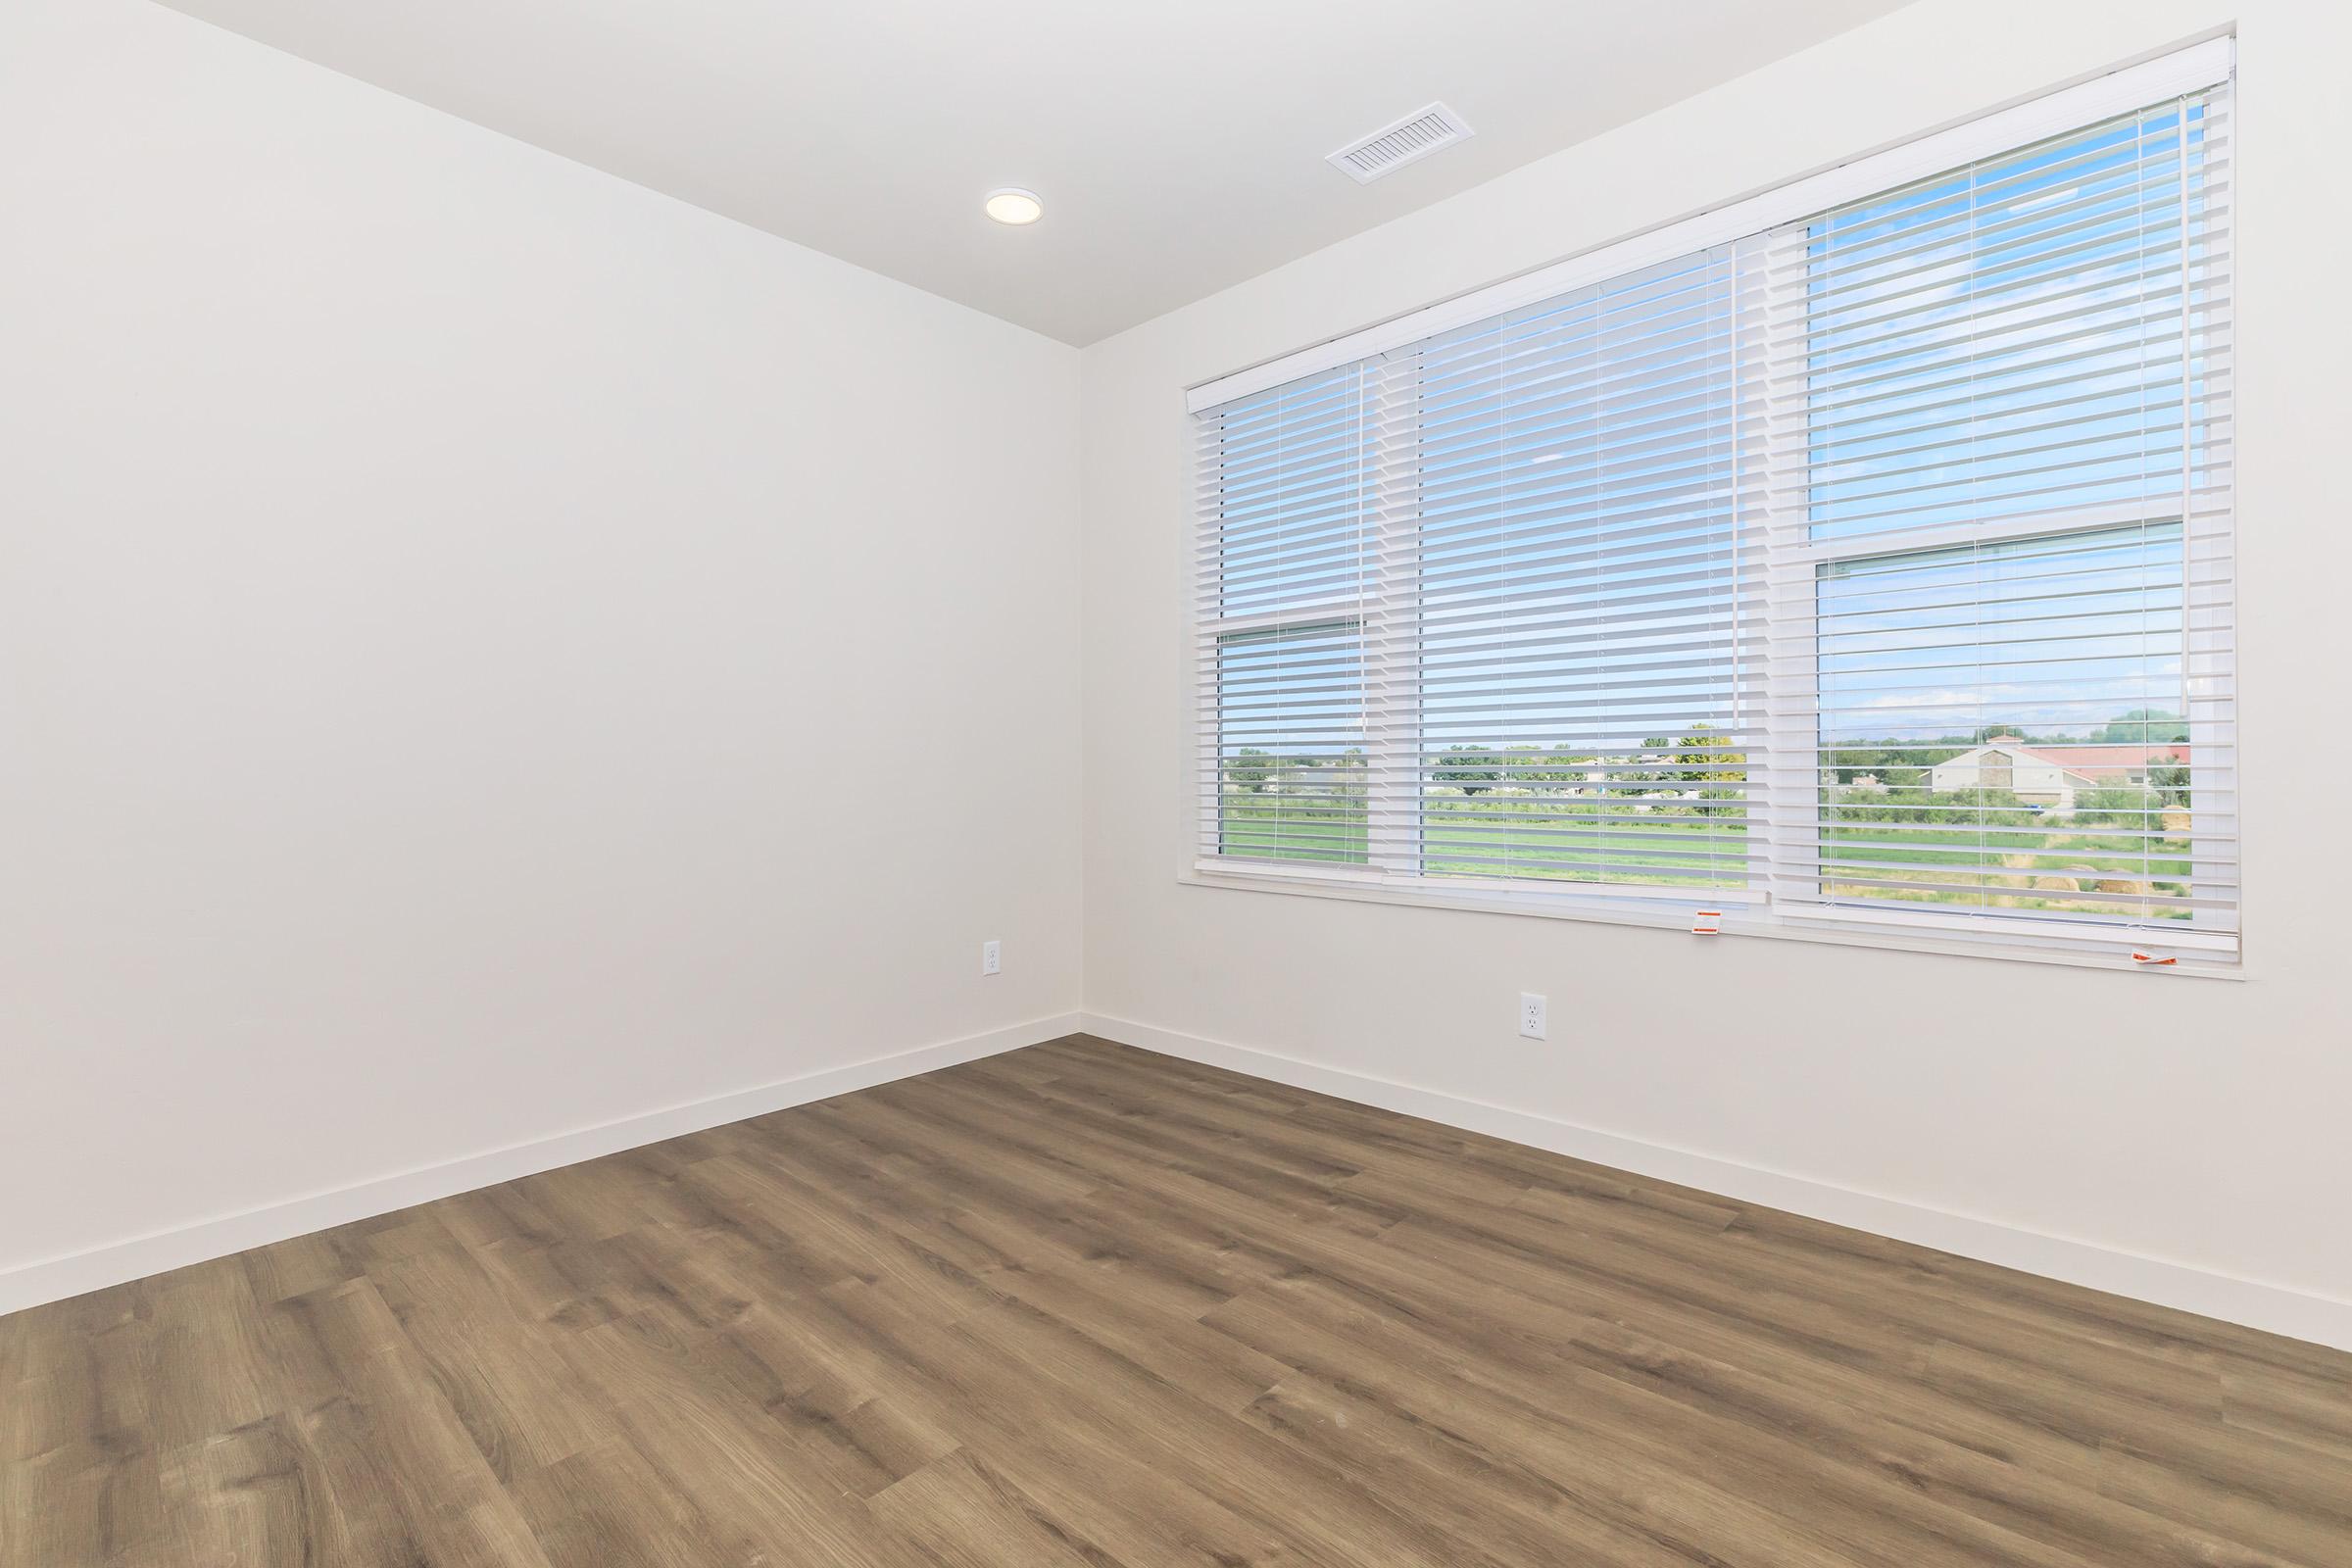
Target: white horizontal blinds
(2002,603)
(1577,625)
(2008,340)
(1874,570)
(1281,501)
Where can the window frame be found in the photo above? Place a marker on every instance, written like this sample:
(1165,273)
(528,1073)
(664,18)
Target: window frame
(1782,790)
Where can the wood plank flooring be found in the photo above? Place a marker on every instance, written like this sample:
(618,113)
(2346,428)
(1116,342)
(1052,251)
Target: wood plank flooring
(1083,1306)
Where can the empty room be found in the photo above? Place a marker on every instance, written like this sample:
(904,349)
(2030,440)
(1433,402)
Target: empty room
(1129,784)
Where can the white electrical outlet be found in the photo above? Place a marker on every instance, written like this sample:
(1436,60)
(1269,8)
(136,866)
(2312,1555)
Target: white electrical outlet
(992,958)
(1531,1015)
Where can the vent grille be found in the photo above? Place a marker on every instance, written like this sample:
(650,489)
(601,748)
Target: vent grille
(1407,141)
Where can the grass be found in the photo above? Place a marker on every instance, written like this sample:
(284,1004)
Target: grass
(1578,838)
(2013,868)
(1563,840)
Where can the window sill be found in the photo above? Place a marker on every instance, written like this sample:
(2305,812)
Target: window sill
(1741,916)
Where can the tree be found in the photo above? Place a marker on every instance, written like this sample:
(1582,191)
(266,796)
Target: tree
(1550,770)
(1250,768)
(2127,804)
(1349,765)
(1469,769)
(2145,726)
(1706,754)
(1844,764)
(1635,777)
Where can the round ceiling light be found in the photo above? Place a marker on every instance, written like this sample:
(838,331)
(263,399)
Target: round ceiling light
(1016,206)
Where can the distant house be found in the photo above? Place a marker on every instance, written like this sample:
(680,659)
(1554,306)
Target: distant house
(2051,775)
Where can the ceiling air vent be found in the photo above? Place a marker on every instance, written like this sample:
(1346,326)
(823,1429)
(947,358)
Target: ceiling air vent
(1407,141)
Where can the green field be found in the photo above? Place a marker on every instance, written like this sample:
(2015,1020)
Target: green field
(2050,863)
(2022,869)
(1484,836)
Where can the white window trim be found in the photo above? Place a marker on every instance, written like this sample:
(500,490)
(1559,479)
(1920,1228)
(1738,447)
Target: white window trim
(1785,791)
(1900,930)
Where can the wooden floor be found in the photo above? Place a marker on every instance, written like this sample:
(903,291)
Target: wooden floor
(1086,1305)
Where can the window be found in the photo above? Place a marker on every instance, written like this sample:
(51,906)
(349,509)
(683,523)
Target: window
(1854,566)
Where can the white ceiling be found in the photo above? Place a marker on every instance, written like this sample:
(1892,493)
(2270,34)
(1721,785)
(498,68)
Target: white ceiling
(1178,144)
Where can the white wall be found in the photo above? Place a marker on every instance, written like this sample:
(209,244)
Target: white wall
(413,549)
(485,649)
(2198,1122)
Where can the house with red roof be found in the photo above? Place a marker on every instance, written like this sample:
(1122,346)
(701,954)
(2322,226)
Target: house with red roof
(2051,775)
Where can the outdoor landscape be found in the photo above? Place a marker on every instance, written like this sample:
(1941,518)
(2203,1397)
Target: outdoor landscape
(1673,811)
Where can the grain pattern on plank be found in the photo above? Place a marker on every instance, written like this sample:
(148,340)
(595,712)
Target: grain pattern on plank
(1084,1306)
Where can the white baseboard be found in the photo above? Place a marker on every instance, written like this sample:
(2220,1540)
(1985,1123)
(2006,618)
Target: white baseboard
(56,1278)
(2272,1308)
